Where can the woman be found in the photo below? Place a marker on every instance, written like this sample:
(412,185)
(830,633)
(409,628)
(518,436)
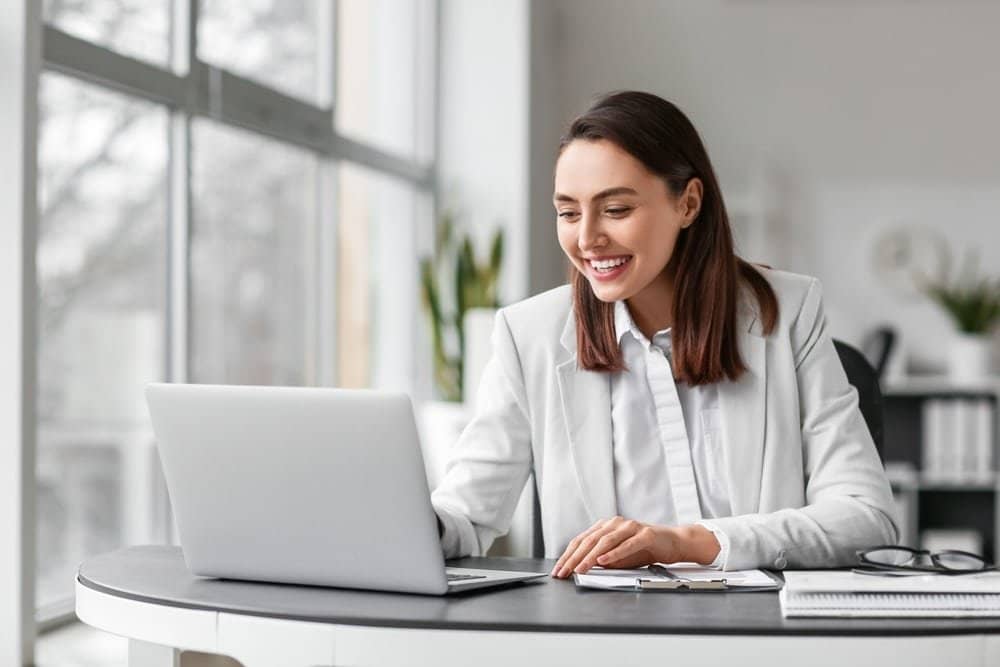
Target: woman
(674,402)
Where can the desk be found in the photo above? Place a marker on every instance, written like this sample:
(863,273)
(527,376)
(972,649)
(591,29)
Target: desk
(147,594)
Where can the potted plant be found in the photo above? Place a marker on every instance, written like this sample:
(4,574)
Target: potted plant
(459,294)
(454,270)
(973,303)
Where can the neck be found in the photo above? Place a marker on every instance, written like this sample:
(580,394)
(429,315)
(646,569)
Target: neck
(652,308)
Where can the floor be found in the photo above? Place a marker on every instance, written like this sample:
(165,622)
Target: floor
(79,645)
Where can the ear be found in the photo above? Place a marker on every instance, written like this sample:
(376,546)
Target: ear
(690,201)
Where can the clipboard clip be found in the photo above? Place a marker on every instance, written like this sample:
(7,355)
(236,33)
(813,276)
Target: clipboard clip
(681,584)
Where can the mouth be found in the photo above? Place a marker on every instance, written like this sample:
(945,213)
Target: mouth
(608,268)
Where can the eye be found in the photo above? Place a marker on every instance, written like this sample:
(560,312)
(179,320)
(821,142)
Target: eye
(566,214)
(618,211)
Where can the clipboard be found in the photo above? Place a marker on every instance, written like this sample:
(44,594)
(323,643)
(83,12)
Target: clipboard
(659,578)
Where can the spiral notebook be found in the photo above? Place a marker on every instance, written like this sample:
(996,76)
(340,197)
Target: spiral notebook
(835,593)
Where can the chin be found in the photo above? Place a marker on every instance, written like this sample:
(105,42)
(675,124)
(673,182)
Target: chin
(608,293)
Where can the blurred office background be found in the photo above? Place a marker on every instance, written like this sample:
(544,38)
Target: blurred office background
(240,192)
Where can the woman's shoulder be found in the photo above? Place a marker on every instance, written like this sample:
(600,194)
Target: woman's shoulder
(796,293)
(540,319)
(786,285)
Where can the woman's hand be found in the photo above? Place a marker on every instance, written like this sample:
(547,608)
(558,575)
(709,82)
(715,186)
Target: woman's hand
(626,543)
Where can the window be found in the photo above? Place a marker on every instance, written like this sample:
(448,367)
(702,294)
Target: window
(136,28)
(381,73)
(250,240)
(274,42)
(379,218)
(242,218)
(101,261)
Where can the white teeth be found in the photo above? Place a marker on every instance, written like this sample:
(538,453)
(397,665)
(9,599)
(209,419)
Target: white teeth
(605,264)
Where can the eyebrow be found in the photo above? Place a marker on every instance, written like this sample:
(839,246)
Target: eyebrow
(603,194)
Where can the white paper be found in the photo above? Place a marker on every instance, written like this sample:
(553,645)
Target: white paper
(842,581)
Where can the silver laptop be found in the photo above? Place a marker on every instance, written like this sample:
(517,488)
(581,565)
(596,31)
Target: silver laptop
(304,486)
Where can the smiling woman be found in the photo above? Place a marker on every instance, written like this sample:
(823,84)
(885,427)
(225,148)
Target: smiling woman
(662,189)
(674,402)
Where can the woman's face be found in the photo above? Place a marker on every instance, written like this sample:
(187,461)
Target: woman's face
(617,221)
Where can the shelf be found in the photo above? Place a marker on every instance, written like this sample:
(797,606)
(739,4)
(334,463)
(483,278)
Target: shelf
(903,476)
(958,485)
(922,385)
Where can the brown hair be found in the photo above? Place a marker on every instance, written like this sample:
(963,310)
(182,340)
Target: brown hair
(708,274)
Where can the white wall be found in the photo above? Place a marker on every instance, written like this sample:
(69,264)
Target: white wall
(830,121)
(483,132)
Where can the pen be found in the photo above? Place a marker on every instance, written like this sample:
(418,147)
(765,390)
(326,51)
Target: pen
(675,581)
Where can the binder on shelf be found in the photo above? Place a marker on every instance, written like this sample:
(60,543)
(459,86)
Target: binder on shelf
(932,445)
(984,418)
(957,440)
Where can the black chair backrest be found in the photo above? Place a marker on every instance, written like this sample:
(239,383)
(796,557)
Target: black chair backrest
(864,378)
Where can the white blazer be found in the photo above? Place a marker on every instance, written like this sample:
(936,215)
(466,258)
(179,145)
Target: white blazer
(805,482)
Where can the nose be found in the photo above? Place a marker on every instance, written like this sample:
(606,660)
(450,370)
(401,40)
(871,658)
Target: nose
(590,234)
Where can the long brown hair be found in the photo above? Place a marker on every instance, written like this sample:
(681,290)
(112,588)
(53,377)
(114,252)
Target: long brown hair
(708,274)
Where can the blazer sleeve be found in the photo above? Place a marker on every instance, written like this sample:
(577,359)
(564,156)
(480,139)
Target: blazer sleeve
(489,464)
(849,502)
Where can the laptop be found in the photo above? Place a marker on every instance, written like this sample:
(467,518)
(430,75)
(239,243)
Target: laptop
(304,486)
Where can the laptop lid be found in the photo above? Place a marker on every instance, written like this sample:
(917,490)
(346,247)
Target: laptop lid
(298,485)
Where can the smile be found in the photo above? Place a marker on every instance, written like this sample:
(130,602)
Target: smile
(606,269)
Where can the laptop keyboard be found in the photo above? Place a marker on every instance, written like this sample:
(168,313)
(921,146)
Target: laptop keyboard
(465,577)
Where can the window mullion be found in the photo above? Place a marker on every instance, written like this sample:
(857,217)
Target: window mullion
(328,197)
(20,64)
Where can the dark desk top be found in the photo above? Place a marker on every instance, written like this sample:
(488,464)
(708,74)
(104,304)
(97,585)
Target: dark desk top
(157,574)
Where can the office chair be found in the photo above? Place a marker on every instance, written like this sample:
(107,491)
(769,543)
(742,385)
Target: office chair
(878,346)
(860,375)
(864,378)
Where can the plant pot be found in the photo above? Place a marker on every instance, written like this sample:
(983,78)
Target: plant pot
(969,357)
(478,327)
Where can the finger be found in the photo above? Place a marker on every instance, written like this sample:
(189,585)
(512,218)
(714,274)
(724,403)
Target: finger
(584,547)
(574,543)
(602,546)
(581,550)
(625,549)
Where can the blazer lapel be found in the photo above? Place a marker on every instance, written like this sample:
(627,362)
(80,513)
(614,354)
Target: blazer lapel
(586,405)
(743,405)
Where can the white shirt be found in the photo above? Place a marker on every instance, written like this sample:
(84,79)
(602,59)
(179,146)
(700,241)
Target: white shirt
(668,459)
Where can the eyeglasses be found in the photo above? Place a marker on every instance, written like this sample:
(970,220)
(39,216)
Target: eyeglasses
(949,561)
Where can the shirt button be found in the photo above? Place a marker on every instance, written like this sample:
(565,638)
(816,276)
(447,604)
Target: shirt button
(780,563)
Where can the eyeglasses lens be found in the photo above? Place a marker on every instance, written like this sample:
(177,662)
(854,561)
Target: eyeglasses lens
(892,557)
(960,562)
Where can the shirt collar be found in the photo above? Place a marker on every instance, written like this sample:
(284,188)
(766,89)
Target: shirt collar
(624,324)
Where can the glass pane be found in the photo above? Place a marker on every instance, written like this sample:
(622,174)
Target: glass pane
(377,282)
(274,42)
(136,28)
(101,266)
(250,256)
(382,53)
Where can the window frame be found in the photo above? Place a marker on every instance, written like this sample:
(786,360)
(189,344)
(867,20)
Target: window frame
(189,88)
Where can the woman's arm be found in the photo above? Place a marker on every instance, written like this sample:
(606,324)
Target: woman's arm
(490,463)
(848,499)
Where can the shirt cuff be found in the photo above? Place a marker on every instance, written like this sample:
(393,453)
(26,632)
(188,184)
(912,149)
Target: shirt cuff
(723,556)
